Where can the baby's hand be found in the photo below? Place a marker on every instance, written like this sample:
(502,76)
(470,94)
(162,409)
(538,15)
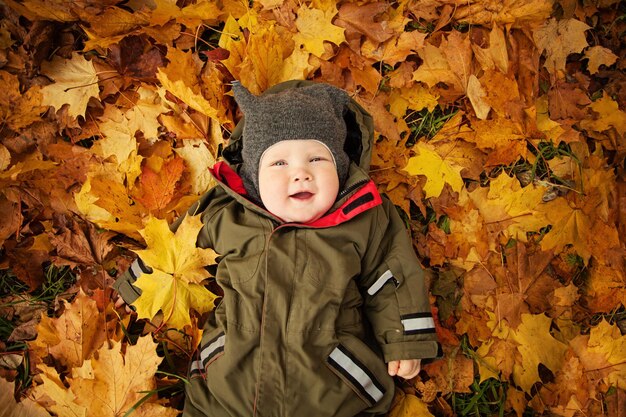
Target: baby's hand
(406,368)
(119,302)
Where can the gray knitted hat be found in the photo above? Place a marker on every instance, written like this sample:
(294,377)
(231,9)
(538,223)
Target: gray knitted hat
(311,112)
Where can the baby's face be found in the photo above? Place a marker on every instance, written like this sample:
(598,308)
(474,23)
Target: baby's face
(298,180)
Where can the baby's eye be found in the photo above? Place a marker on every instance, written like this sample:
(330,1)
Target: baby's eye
(279,163)
(317,159)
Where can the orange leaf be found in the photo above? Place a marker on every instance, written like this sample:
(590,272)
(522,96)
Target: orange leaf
(157,189)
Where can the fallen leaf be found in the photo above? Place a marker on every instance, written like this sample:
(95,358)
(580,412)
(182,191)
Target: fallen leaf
(437,170)
(315,27)
(558,39)
(599,55)
(24,408)
(175,283)
(75,336)
(75,82)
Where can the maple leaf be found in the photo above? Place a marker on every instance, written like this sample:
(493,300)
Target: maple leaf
(235,43)
(599,55)
(119,141)
(449,63)
(54,395)
(532,333)
(198,159)
(437,170)
(18,109)
(408,406)
(570,226)
(268,47)
(180,78)
(496,55)
(75,336)
(75,82)
(25,408)
(156,189)
(315,27)
(608,115)
(415,98)
(192,16)
(559,39)
(104,200)
(174,286)
(107,386)
(362,19)
(143,115)
(603,353)
(508,207)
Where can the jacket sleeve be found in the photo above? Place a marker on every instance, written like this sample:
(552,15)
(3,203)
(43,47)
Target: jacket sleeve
(124,283)
(395,295)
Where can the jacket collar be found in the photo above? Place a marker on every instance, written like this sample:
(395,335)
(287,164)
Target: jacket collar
(360,195)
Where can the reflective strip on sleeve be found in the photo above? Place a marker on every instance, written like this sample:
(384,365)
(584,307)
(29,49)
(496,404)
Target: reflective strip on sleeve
(418,323)
(353,370)
(137,268)
(195,367)
(382,280)
(212,348)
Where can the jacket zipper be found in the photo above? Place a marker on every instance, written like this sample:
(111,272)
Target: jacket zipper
(351,188)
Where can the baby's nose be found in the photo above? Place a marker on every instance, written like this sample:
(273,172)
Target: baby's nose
(302,175)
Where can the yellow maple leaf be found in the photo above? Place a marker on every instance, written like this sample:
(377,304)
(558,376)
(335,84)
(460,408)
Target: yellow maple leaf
(268,47)
(559,39)
(570,226)
(104,200)
(193,15)
(415,98)
(75,82)
(608,115)
(508,207)
(607,340)
(235,43)
(180,78)
(315,27)
(143,116)
(536,345)
(119,141)
(437,170)
(198,160)
(175,284)
(410,406)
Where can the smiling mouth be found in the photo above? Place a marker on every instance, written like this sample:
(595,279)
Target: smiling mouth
(302,195)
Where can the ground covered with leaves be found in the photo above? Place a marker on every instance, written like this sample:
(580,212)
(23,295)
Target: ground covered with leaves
(501,136)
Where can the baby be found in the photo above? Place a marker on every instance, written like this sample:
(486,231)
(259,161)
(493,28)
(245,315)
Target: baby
(324,299)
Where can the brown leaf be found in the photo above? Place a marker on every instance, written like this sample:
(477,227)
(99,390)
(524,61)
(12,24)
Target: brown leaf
(363,19)
(135,57)
(75,335)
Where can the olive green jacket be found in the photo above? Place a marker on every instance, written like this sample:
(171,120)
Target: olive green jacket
(310,312)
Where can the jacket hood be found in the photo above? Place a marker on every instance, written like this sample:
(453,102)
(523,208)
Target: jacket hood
(359,139)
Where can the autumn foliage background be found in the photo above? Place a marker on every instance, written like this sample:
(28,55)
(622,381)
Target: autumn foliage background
(501,137)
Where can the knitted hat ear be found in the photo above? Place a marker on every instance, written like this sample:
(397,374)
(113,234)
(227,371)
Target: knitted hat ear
(245,99)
